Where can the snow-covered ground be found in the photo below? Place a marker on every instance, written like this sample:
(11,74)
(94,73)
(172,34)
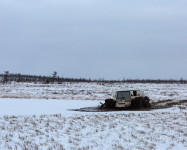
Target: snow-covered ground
(87,91)
(39,107)
(49,124)
(29,121)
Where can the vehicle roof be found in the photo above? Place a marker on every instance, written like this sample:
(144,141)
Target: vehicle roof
(127,90)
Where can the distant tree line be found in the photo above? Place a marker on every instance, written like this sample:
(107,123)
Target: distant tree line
(7,77)
(17,77)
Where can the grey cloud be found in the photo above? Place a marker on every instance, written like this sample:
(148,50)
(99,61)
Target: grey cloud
(96,38)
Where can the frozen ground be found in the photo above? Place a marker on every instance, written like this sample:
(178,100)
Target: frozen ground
(47,124)
(87,91)
(29,121)
(39,107)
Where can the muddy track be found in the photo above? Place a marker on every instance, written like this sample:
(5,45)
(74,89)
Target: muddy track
(155,105)
(168,104)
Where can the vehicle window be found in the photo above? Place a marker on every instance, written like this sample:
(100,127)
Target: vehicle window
(121,95)
(134,93)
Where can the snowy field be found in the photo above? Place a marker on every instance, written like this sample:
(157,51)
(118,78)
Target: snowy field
(37,116)
(89,91)
(48,124)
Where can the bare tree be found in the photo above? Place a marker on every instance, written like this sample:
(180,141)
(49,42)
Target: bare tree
(5,77)
(54,76)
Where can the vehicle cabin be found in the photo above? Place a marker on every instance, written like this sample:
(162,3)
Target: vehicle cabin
(127,94)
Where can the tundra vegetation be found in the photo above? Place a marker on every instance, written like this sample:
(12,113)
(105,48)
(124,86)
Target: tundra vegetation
(155,129)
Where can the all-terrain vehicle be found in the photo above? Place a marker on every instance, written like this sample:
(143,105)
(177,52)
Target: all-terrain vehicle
(128,99)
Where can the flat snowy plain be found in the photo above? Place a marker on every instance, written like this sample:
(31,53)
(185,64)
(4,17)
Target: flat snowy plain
(37,116)
(89,91)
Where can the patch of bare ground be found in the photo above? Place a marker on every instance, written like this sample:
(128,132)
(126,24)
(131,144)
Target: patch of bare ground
(181,104)
(169,103)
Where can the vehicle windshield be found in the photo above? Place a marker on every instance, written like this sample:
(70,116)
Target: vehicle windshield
(123,94)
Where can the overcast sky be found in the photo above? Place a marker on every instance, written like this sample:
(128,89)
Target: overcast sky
(109,39)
